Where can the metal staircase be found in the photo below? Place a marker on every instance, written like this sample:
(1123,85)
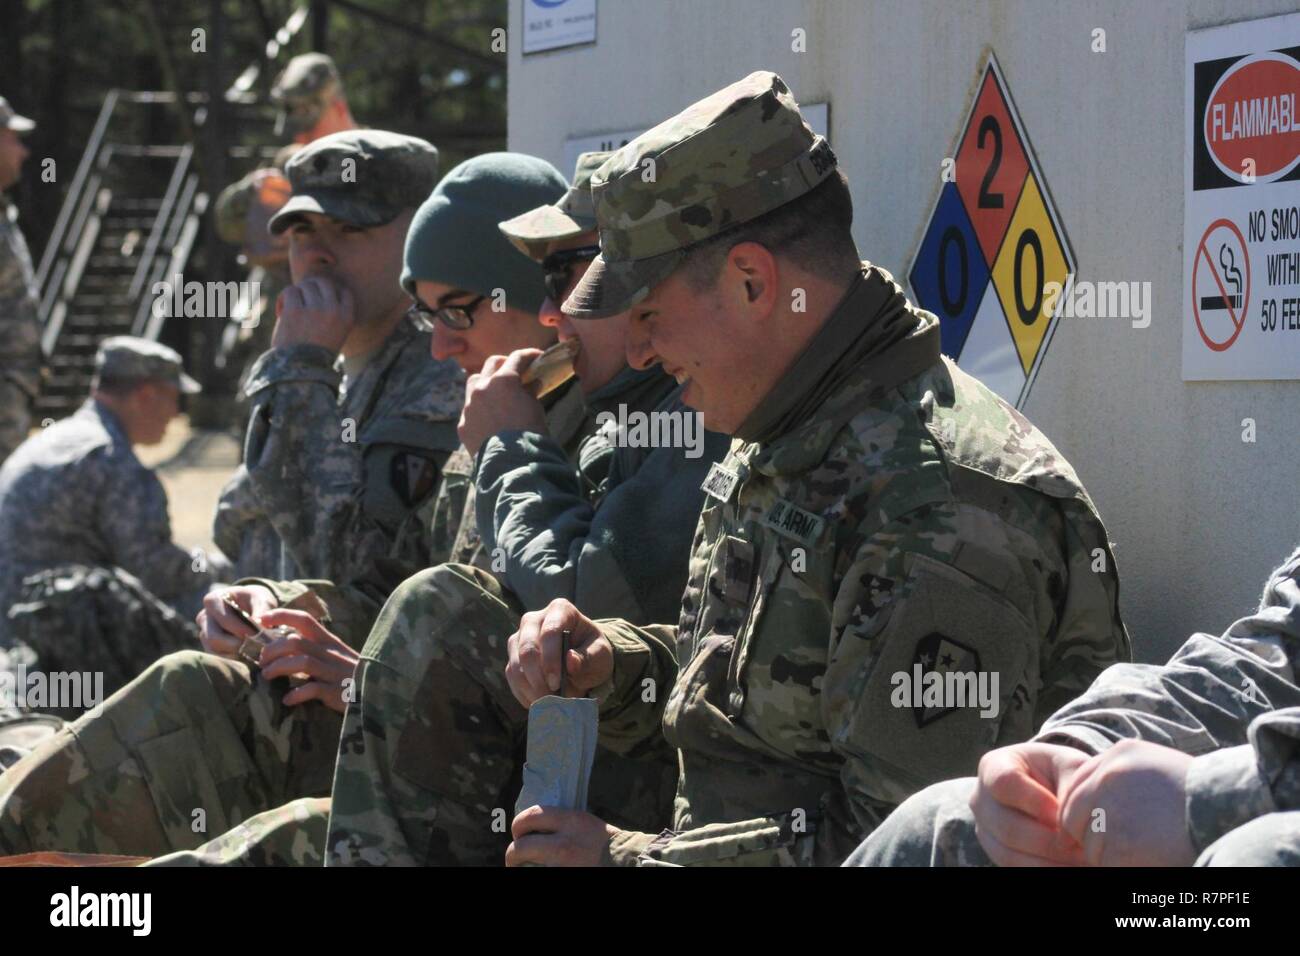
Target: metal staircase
(113,240)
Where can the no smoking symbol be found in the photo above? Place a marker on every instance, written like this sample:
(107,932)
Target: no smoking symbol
(1221,285)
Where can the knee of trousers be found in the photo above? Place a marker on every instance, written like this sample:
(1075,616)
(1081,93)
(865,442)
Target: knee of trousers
(449,610)
(933,827)
(159,749)
(1270,840)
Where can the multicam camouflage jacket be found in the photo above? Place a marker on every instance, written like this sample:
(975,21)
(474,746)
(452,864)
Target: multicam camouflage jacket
(912,525)
(1232,700)
(337,474)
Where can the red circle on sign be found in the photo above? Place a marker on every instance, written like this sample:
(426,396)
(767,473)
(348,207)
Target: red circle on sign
(1248,126)
(1238,324)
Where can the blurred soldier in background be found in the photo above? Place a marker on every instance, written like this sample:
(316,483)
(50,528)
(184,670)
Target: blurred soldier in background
(309,93)
(20,330)
(90,576)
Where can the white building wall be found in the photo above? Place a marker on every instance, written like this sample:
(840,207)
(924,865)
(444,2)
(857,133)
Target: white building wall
(1199,516)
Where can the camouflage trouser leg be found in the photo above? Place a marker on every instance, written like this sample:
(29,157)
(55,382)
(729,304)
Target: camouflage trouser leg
(191,747)
(933,827)
(291,835)
(1270,840)
(431,750)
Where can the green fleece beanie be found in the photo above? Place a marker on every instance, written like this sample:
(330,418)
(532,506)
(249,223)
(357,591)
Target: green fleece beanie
(454,237)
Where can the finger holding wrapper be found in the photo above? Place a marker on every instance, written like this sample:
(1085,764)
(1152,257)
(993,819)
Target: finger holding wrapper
(552,368)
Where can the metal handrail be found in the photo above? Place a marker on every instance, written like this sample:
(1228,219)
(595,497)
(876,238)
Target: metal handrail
(78,182)
(180,253)
(160,220)
(159,269)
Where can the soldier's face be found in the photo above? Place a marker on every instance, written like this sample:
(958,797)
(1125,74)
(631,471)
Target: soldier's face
(12,154)
(157,403)
(602,356)
(697,340)
(366,260)
(493,333)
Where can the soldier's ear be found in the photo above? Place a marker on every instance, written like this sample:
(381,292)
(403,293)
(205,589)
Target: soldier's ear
(752,272)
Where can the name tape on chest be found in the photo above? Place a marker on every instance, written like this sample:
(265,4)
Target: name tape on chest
(793,522)
(720,482)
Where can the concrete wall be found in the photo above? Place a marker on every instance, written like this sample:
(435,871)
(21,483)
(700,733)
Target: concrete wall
(1199,517)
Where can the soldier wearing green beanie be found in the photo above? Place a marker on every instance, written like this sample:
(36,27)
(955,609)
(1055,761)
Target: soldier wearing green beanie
(473,292)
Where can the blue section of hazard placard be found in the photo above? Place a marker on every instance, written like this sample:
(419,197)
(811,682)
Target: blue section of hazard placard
(950,274)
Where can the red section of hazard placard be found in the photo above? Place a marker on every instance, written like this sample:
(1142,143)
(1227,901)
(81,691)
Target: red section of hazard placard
(1221,294)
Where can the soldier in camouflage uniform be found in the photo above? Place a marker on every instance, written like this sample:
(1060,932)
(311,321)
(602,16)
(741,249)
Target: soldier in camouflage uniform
(882,519)
(92,580)
(1195,760)
(309,94)
(76,493)
(240,528)
(431,746)
(20,329)
(200,732)
(341,448)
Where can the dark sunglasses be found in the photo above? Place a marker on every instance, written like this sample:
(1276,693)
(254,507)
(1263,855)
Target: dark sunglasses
(458,317)
(558,269)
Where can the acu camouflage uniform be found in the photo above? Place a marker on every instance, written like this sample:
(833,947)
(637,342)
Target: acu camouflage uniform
(20,333)
(338,464)
(20,328)
(1232,701)
(880,512)
(76,494)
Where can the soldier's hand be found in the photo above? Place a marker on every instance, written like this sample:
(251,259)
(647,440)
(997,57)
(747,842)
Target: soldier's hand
(549,836)
(496,400)
(1016,804)
(534,668)
(315,311)
(1127,806)
(323,657)
(220,630)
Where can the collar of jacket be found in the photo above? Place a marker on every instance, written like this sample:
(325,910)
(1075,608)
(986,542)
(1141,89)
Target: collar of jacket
(112,424)
(873,341)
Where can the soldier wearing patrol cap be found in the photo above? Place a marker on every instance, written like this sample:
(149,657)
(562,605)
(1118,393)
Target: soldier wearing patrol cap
(76,494)
(882,523)
(20,329)
(309,94)
(351,422)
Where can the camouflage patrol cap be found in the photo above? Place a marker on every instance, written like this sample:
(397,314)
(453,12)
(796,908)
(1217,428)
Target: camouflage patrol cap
(244,208)
(730,158)
(364,177)
(302,91)
(11,120)
(126,358)
(574,213)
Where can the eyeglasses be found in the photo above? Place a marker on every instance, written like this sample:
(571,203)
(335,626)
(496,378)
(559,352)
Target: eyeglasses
(458,317)
(558,269)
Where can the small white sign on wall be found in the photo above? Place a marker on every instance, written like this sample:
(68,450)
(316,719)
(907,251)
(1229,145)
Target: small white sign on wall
(552,24)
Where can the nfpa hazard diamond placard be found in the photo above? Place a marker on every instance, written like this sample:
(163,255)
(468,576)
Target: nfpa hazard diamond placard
(993,244)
